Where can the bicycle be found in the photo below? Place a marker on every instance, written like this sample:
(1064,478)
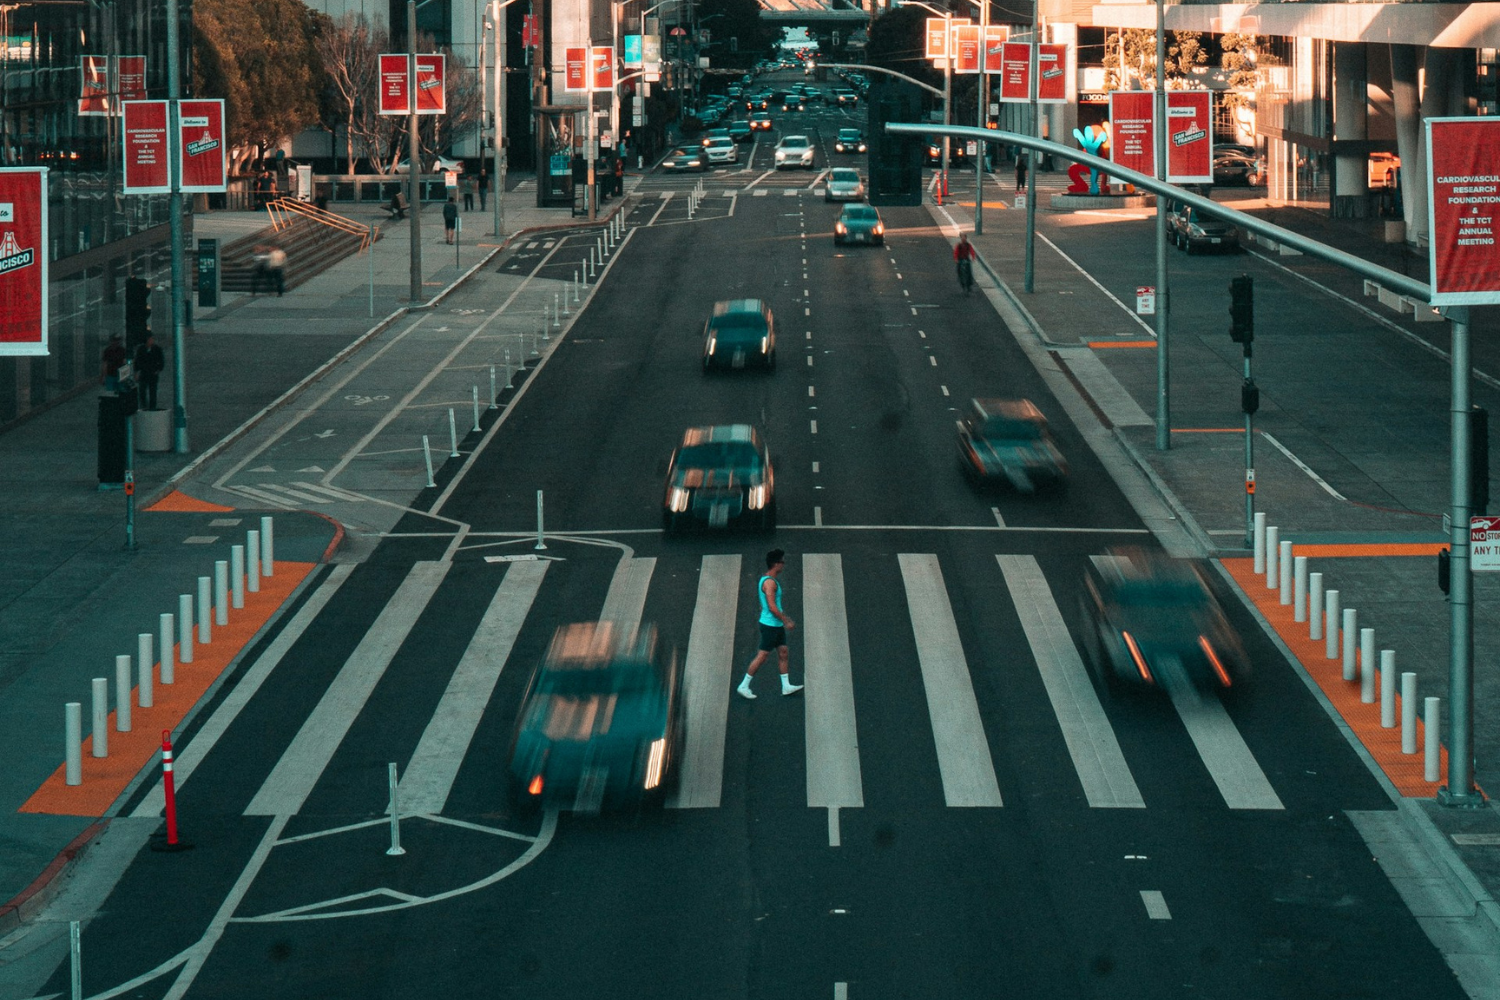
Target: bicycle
(965,274)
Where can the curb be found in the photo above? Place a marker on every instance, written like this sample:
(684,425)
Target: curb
(34,898)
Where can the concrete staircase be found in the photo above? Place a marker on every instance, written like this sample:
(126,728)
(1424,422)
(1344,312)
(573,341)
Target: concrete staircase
(311,247)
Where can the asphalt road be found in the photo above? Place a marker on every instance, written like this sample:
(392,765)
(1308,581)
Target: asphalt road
(946,819)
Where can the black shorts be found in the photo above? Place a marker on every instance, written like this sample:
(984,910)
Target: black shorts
(772,637)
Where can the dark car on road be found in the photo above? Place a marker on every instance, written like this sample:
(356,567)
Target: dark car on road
(739,332)
(1007,441)
(740,131)
(1192,230)
(858,224)
(1153,621)
(957,152)
(760,121)
(720,476)
(849,141)
(1237,168)
(601,723)
(685,158)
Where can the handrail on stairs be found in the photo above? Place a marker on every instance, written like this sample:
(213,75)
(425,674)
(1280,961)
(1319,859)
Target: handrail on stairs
(282,211)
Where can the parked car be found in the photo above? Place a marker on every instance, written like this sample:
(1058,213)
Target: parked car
(685,158)
(601,723)
(858,224)
(1236,168)
(739,332)
(720,476)
(1192,230)
(1153,621)
(1007,441)
(844,184)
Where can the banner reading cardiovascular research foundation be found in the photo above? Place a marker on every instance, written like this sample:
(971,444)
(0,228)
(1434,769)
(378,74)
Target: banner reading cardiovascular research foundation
(23,261)
(1132,141)
(1463,197)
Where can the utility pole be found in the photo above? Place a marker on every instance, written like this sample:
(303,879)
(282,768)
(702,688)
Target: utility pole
(497,176)
(947,93)
(414,153)
(1031,156)
(1460,790)
(174,211)
(1163,297)
(981,98)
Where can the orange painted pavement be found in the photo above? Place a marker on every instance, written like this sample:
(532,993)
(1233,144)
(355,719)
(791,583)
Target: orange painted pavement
(178,501)
(1404,770)
(104,778)
(1355,550)
(1096,344)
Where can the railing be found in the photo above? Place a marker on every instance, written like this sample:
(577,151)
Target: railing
(283,211)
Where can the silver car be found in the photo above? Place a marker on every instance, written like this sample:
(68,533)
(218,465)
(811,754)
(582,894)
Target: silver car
(844,185)
(794,151)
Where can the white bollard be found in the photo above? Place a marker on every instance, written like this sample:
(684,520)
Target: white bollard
(1299,589)
(145,691)
(1351,636)
(539,543)
(100,711)
(73,741)
(395,849)
(1285,560)
(1331,623)
(1408,712)
(452,434)
(205,610)
(252,553)
(1260,543)
(166,627)
(1430,725)
(185,628)
(1387,689)
(494,390)
(221,592)
(476,408)
(427,454)
(1273,549)
(1315,605)
(1367,666)
(267,547)
(122,694)
(237,576)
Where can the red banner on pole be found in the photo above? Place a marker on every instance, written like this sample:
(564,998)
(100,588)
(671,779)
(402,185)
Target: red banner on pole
(432,84)
(994,47)
(1190,147)
(130,77)
(1015,72)
(1052,74)
(967,44)
(937,38)
(145,136)
(531,35)
(396,88)
(93,91)
(203,165)
(23,261)
(1463,196)
(604,67)
(575,69)
(1131,138)
(394,70)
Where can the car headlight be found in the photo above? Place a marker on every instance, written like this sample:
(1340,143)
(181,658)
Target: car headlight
(654,762)
(861,147)
(765,344)
(695,163)
(757,496)
(677,499)
(712,343)
(880,229)
(838,227)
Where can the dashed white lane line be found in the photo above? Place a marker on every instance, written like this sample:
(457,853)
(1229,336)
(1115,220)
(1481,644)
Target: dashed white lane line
(809,335)
(922,334)
(809,361)
(806,311)
(814,424)
(906,293)
(933,359)
(898,276)
(806,293)
(999,521)
(815,467)
(840,991)
(1304,467)
(913,310)
(944,388)
(817,517)
(810,391)
(1156,905)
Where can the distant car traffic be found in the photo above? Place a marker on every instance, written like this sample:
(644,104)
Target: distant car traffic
(713,133)
(760,121)
(795,151)
(1153,621)
(849,141)
(685,158)
(844,184)
(718,477)
(601,723)
(792,102)
(1007,441)
(721,149)
(957,153)
(739,332)
(1192,230)
(740,131)
(858,224)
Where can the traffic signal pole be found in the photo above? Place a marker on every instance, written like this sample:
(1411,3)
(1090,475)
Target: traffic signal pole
(1163,295)
(413,154)
(1460,790)
(174,213)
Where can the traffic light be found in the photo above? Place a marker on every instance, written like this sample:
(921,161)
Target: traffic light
(895,160)
(137,310)
(1249,396)
(1479,460)
(1242,309)
(1445,571)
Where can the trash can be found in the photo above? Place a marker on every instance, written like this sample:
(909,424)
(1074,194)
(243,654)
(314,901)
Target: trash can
(114,409)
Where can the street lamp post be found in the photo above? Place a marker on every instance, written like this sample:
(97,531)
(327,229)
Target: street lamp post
(1163,298)
(174,211)
(497,176)
(413,153)
(980,99)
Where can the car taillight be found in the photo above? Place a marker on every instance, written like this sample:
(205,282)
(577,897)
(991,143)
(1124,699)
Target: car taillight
(1135,654)
(535,788)
(1213,661)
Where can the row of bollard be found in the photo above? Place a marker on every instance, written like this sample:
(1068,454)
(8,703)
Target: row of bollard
(695,198)
(1344,640)
(177,638)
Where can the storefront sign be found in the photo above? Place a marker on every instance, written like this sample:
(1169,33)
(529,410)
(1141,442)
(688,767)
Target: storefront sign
(145,137)
(395,88)
(1463,199)
(93,92)
(204,165)
(575,63)
(1132,114)
(23,261)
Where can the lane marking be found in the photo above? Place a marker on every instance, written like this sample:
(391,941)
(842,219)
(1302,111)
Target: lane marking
(707,675)
(429,776)
(999,521)
(665,198)
(1304,467)
(814,426)
(834,838)
(809,361)
(1095,282)
(1229,761)
(933,359)
(626,599)
(1156,905)
(817,517)
(1097,758)
(963,750)
(833,773)
(815,467)
(944,388)
(810,391)
(290,782)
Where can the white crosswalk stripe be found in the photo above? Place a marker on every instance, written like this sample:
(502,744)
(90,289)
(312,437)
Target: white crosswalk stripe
(707,677)
(304,496)
(833,774)
(331,491)
(262,497)
(1229,761)
(626,599)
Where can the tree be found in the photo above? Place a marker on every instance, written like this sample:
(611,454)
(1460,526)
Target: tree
(1241,55)
(350,51)
(1131,52)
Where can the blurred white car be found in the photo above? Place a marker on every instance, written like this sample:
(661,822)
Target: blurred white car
(439,165)
(794,151)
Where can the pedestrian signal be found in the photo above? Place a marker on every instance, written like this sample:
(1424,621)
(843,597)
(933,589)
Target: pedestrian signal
(1242,309)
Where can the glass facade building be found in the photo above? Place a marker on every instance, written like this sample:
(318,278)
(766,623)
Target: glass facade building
(99,236)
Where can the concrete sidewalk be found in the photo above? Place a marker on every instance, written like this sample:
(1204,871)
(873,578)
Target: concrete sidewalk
(1374,540)
(74,597)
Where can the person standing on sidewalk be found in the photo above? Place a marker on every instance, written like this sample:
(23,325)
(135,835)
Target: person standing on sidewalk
(1021,159)
(468,183)
(484,187)
(149,363)
(774,624)
(450,218)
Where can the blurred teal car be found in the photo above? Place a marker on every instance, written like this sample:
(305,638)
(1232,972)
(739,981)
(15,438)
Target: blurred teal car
(858,224)
(684,159)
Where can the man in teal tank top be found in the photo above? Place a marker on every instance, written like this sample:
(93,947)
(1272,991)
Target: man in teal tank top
(774,624)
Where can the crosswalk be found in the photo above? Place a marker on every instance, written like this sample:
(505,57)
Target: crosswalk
(719,638)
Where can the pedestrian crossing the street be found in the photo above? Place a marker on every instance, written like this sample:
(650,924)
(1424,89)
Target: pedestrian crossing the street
(718,612)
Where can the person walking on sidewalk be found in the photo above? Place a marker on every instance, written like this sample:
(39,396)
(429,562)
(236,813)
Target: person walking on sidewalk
(149,363)
(450,218)
(276,268)
(774,624)
(1021,159)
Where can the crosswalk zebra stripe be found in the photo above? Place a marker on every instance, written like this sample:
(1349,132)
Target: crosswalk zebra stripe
(332,491)
(259,496)
(1107,781)
(833,777)
(626,599)
(434,765)
(707,676)
(963,751)
(1229,761)
(298,770)
(296,494)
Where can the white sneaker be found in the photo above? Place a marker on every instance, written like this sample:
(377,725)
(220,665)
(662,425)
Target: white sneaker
(790,688)
(744,692)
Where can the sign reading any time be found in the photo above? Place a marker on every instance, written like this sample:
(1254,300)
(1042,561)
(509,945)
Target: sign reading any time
(1484,544)
(1463,197)
(23,261)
